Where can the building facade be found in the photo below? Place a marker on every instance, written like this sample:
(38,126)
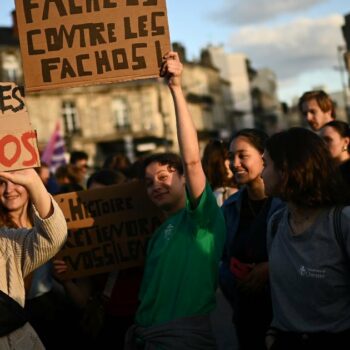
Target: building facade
(133,118)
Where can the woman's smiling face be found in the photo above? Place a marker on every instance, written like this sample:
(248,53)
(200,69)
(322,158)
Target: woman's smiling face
(13,197)
(245,160)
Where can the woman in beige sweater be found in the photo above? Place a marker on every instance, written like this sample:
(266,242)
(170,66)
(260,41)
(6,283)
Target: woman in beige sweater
(23,250)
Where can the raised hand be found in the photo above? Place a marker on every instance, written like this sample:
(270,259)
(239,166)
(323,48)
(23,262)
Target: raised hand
(29,179)
(172,69)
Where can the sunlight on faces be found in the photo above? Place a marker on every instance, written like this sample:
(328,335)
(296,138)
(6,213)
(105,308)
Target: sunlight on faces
(165,187)
(335,142)
(229,172)
(245,161)
(12,196)
(314,114)
(272,178)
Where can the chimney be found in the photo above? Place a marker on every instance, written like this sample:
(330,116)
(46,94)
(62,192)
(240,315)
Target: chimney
(206,58)
(180,49)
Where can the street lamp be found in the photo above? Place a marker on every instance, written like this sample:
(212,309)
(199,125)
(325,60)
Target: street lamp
(341,50)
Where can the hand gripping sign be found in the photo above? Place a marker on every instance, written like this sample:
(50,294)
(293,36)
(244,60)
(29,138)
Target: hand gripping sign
(18,141)
(85,42)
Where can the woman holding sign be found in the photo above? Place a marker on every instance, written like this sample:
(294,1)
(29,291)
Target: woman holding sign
(22,250)
(179,283)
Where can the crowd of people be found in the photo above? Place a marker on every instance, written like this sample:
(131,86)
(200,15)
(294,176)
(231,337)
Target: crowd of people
(263,218)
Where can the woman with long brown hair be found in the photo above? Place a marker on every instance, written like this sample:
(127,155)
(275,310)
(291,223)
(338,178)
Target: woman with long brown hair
(23,249)
(309,245)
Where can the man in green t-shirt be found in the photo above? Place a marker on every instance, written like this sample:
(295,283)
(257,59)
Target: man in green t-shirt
(180,278)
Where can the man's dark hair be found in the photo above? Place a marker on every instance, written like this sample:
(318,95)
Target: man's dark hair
(171,159)
(77,155)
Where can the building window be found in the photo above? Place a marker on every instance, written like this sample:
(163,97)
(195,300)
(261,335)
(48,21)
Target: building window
(70,117)
(11,68)
(120,114)
(147,112)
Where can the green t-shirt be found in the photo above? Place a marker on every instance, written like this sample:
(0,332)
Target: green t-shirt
(182,263)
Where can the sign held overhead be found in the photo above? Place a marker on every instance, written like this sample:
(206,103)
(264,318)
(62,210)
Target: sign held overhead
(18,141)
(87,42)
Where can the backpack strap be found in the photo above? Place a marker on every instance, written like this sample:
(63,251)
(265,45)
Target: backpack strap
(338,229)
(275,222)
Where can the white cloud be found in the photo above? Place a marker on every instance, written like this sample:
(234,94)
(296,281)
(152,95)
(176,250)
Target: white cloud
(255,11)
(292,49)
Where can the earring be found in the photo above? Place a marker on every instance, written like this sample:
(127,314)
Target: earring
(345,148)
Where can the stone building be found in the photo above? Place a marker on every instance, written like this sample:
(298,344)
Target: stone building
(253,92)
(267,109)
(236,68)
(135,117)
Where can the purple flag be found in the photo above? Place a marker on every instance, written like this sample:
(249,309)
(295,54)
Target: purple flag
(53,154)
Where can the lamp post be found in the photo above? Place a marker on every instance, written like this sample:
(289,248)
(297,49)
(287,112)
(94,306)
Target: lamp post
(342,69)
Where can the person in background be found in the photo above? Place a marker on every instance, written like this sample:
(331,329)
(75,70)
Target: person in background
(179,283)
(79,161)
(116,292)
(26,242)
(244,269)
(117,162)
(337,136)
(216,166)
(308,259)
(44,173)
(47,178)
(68,179)
(317,108)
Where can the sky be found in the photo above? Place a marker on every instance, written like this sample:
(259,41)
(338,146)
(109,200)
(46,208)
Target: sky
(297,39)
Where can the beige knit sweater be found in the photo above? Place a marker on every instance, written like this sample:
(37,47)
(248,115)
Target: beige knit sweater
(22,251)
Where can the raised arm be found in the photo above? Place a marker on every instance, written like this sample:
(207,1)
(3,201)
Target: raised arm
(35,246)
(186,131)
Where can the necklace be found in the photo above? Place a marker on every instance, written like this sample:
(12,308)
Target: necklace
(300,223)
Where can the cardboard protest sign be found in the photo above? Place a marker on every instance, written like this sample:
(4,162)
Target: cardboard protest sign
(108,228)
(18,141)
(85,42)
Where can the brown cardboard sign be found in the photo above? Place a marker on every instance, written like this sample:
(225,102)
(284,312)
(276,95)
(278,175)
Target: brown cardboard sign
(18,141)
(108,228)
(87,42)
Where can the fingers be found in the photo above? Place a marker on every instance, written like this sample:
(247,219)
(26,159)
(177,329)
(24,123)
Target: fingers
(171,55)
(171,64)
(5,175)
(60,267)
(20,177)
